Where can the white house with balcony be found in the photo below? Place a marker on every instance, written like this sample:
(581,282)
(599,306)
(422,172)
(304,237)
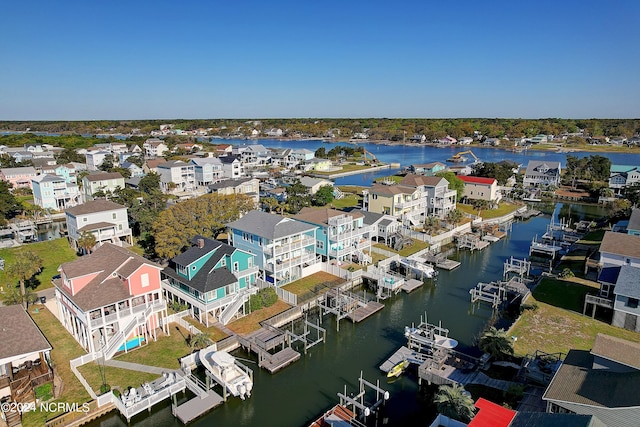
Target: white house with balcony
(284,247)
(340,235)
(622,176)
(95,158)
(54,192)
(154,147)
(213,279)
(439,199)
(542,173)
(110,301)
(177,176)
(207,170)
(231,167)
(106,220)
(406,203)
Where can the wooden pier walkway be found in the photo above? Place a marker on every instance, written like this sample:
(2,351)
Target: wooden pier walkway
(197,407)
(411,285)
(282,359)
(361,313)
(459,372)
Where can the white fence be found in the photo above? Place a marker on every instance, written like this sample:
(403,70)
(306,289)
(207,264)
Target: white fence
(284,295)
(83,360)
(341,272)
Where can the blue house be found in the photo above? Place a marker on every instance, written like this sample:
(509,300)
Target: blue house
(285,248)
(214,280)
(428,169)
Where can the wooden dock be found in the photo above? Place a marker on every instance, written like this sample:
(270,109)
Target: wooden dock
(403,353)
(361,313)
(448,264)
(411,285)
(440,261)
(197,407)
(274,362)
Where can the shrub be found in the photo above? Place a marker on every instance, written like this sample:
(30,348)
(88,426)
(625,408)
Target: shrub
(264,298)
(44,392)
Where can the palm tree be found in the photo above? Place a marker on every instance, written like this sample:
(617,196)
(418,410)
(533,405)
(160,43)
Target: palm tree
(496,342)
(14,296)
(270,203)
(25,266)
(431,224)
(86,241)
(455,402)
(200,340)
(455,216)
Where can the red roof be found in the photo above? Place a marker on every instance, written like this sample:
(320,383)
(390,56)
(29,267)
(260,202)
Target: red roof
(477,180)
(491,415)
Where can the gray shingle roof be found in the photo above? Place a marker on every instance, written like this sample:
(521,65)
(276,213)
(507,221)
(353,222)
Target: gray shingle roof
(93,206)
(195,252)
(577,382)
(103,176)
(269,226)
(229,183)
(628,283)
(621,244)
(617,349)
(19,334)
(542,419)
(634,221)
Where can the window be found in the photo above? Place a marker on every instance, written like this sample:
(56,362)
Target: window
(84,219)
(245,236)
(236,267)
(250,262)
(144,280)
(113,215)
(319,244)
(632,303)
(181,269)
(627,261)
(223,262)
(120,227)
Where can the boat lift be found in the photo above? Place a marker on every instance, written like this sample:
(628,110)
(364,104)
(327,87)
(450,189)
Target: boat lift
(357,401)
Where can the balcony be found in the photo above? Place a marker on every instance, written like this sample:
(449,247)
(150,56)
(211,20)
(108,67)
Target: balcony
(290,247)
(307,257)
(125,312)
(413,203)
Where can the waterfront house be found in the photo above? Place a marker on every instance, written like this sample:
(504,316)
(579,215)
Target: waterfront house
(542,173)
(407,204)
(105,182)
(274,132)
(151,165)
(479,188)
(22,156)
(24,355)
(620,249)
(207,170)
(301,155)
(340,235)
(252,155)
(626,291)
(106,220)
(18,177)
(224,149)
(539,139)
(281,157)
(154,147)
(633,227)
(177,176)
(428,169)
(54,192)
(247,186)
(110,301)
(231,167)
(439,199)
(599,382)
(314,184)
(622,176)
(316,164)
(213,279)
(284,247)
(381,226)
(188,147)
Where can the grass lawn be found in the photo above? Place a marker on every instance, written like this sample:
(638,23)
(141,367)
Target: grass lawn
(354,189)
(251,322)
(344,168)
(348,201)
(375,257)
(117,378)
(568,294)
(417,246)
(593,237)
(307,284)
(553,329)
(163,353)
(214,333)
(65,348)
(502,210)
(52,252)
(394,178)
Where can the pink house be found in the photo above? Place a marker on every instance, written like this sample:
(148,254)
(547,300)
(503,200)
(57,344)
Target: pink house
(110,301)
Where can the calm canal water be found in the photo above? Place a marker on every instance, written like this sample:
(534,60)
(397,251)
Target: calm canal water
(304,390)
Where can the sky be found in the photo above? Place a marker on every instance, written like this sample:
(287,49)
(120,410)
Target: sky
(137,59)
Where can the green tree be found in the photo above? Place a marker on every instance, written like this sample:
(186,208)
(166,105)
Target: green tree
(12,295)
(206,215)
(107,163)
(86,241)
(632,193)
(455,402)
(297,197)
(9,205)
(270,203)
(69,155)
(323,196)
(199,341)
(455,217)
(496,342)
(431,224)
(321,153)
(26,265)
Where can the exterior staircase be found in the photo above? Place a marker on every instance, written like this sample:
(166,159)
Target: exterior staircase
(120,338)
(13,418)
(232,308)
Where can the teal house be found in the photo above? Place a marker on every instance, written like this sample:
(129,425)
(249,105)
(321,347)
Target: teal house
(214,280)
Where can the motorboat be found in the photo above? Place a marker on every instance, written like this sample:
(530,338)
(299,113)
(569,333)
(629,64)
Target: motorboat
(419,267)
(226,372)
(430,336)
